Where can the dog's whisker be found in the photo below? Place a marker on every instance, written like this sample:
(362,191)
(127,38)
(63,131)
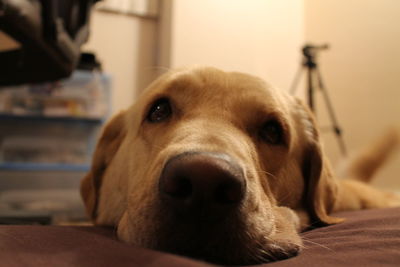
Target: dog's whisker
(260,254)
(315,243)
(268,174)
(282,200)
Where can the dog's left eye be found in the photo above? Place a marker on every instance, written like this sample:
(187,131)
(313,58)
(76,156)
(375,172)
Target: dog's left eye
(272,132)
(159,111)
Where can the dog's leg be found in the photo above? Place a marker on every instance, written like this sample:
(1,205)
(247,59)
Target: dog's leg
(355,195)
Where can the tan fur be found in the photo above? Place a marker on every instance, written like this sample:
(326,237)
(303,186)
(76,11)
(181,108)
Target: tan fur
(289,187)
(363,165)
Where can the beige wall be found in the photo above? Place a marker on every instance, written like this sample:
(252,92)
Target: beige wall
(362,70)
(261,37)
(126,47)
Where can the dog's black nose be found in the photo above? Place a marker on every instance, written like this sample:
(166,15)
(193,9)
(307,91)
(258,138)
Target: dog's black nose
(202,184)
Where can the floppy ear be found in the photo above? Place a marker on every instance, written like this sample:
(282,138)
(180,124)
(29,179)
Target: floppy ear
(320,185)
(108,144)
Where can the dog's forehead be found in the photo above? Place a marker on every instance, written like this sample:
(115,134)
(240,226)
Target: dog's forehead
(213,84)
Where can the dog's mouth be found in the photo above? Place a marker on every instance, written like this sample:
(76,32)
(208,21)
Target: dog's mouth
(237,239)
(231,250)
(239,254)
(225,242)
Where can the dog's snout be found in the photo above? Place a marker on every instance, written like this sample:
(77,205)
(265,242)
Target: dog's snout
(209,184)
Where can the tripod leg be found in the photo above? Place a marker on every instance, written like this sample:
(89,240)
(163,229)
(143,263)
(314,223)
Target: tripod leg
(310,85)
(295,81)
(331,113)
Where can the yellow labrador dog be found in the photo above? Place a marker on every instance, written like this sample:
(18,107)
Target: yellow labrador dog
(218,166)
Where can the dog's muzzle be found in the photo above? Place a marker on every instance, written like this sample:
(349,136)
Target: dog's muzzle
(202,185)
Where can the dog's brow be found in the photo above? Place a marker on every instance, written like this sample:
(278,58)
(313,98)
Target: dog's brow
(177,87)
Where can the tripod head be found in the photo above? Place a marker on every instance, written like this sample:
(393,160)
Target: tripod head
(310,53)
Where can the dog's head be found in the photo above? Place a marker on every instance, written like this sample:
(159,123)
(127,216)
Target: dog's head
(213,165)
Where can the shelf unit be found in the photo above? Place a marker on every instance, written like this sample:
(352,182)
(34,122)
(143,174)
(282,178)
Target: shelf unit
(41,153)
(32,166)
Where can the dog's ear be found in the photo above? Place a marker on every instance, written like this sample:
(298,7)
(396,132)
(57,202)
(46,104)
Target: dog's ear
(108,144)
(320,190)
(320,187)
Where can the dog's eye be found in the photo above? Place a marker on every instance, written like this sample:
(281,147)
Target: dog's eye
(272,132)
(159,111)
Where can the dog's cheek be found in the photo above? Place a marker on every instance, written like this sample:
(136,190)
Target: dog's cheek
(113,192)
(258,209)
(288,216)
(260,190)
(134,232)
(287,230)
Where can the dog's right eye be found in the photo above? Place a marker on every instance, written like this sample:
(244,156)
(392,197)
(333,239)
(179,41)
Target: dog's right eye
(272,133)
(159,111)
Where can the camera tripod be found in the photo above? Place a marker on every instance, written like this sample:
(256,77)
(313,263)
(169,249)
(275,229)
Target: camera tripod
(314,76)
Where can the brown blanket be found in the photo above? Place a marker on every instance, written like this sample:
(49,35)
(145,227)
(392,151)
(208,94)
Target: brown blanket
(367,238)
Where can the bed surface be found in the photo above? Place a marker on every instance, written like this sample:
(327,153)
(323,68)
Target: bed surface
(367,238)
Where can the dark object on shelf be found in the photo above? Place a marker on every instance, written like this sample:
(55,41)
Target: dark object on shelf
(88,61)
(50,34)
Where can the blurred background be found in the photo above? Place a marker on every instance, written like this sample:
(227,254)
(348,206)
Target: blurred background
(137,40)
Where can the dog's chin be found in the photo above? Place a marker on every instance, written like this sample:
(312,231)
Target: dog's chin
(228,242)
(240,253)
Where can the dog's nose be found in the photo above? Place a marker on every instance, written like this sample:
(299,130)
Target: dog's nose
(202,184)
